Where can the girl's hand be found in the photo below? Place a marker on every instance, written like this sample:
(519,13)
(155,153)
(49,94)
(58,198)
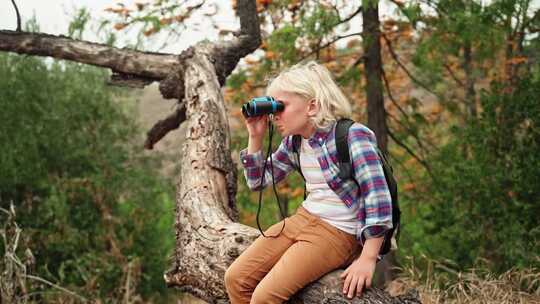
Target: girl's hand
(357,276)
(257,126)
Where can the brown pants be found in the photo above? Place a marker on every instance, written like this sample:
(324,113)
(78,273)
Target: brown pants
(271,270)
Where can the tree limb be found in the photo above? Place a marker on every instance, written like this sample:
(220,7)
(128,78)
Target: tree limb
(528,22)
(225,57)
(145,65)
(227,54)
(164,126)
(341,21)
(402,66)
(321,47)
(355,13)
(411,152)
(127,80)
(71,293)
(453,75)
(18,16)
(400,109)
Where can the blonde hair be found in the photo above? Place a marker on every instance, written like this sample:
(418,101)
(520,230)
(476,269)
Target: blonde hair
(313,81)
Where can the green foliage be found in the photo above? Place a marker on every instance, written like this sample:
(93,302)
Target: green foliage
(412,11)
(319,23)
(486,198)
(479,206)
(78,24)
(91,209)
(235,82)
(351,76)
(282,41)
(458,26)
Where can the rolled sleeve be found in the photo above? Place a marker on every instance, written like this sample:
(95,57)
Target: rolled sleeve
(251,160)
(373,231)
(254,170)
(376,213)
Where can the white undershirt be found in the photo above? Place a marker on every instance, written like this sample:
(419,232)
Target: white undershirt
(321,200)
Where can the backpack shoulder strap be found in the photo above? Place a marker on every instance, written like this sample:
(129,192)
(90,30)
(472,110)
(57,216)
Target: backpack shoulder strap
(296,143)
(342,145)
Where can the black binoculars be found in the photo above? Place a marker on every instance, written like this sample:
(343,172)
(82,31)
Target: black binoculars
(262,105)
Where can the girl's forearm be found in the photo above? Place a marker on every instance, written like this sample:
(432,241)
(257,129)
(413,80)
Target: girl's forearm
(254,144)
(371,249)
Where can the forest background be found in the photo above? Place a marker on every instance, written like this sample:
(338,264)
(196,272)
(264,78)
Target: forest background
(461,83)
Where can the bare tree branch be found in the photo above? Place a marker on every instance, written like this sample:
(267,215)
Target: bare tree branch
(227,54)
(411,152)
(81,298)
(354,14)
(321,47)
(225,57)
(127,80)
(390,96)
(18,16)
(453,75)
(400,109)
(162,127)
(528,22)
(130,68)
(146,65)
(402,66)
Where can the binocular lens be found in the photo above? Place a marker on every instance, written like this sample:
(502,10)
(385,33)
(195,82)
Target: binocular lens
(261,106)
(246,110)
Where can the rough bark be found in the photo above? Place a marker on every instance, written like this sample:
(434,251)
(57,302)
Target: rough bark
(208,236)
(371,35)
(147,65)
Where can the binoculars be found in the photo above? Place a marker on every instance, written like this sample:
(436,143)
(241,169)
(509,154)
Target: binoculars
(262,105)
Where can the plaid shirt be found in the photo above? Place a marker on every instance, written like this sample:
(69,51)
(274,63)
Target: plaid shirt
(375,212)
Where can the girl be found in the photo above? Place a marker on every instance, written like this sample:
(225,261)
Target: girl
(336,219)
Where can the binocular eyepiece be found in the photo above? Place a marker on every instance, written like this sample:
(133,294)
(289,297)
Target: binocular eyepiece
(262,105)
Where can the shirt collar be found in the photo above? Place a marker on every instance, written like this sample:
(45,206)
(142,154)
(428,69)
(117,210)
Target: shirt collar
(321,134)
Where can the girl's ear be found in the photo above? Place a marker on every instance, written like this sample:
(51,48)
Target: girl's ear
(313,107)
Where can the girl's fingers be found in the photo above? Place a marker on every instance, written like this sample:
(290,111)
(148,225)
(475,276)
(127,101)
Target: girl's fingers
(352,287)
(346,284)
(253,118)
(359,286)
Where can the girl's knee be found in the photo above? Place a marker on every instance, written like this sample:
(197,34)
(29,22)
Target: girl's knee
(259,296)
(235,285)
(235,277)
(232,277)
(264,295)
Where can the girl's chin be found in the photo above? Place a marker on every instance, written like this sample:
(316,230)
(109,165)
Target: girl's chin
(283,133)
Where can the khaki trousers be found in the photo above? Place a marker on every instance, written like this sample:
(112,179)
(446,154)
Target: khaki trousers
(271,270)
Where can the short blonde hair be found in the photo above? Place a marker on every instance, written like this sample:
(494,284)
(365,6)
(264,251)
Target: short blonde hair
(313,81)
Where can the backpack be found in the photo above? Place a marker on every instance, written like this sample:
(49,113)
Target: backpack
(346,172)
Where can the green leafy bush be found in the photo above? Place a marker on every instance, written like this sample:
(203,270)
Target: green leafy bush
(92,210)
(485,199)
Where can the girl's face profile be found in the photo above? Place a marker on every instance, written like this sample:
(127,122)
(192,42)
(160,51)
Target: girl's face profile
(294,119)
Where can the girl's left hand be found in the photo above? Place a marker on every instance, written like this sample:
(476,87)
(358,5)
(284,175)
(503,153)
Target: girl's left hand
(358,275)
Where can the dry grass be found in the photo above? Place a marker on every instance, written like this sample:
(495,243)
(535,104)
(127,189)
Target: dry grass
(441,284)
